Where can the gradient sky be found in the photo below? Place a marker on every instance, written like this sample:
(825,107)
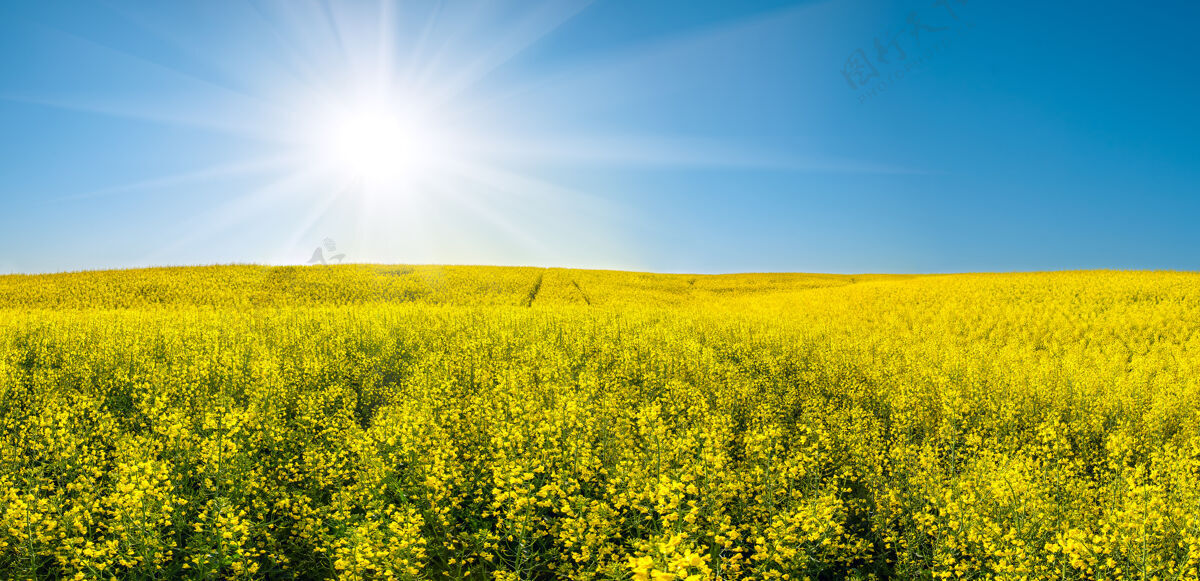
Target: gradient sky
(676,136)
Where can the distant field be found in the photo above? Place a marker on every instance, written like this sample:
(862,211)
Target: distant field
(423,422)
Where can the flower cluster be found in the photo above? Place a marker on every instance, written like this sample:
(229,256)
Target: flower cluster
(371,422)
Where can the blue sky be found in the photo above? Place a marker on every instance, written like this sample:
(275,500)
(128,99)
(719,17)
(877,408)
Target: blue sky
(668,136)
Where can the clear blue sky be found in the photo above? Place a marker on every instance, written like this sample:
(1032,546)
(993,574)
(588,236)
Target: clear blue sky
(676,136)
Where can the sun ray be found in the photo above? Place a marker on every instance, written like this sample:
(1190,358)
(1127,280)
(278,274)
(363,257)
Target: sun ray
(419,48)
(335,29)
(205,174)
(302,68)
(630,150)
(481,207)
(313,215)
(385,49)
(532,28)
(177,97)
(252,205)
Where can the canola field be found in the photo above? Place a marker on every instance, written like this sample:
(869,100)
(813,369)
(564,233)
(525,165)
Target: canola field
(419,422)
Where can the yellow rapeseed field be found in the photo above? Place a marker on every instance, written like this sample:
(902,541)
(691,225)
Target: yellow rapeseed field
(418,422)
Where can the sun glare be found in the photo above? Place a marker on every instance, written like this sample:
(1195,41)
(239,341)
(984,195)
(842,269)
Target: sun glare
(379,145)
(408,124)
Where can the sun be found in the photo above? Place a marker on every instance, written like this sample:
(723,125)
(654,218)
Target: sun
(371,144)
(380,144)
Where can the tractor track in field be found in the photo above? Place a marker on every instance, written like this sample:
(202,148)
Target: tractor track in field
(533,292)
(586,299)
